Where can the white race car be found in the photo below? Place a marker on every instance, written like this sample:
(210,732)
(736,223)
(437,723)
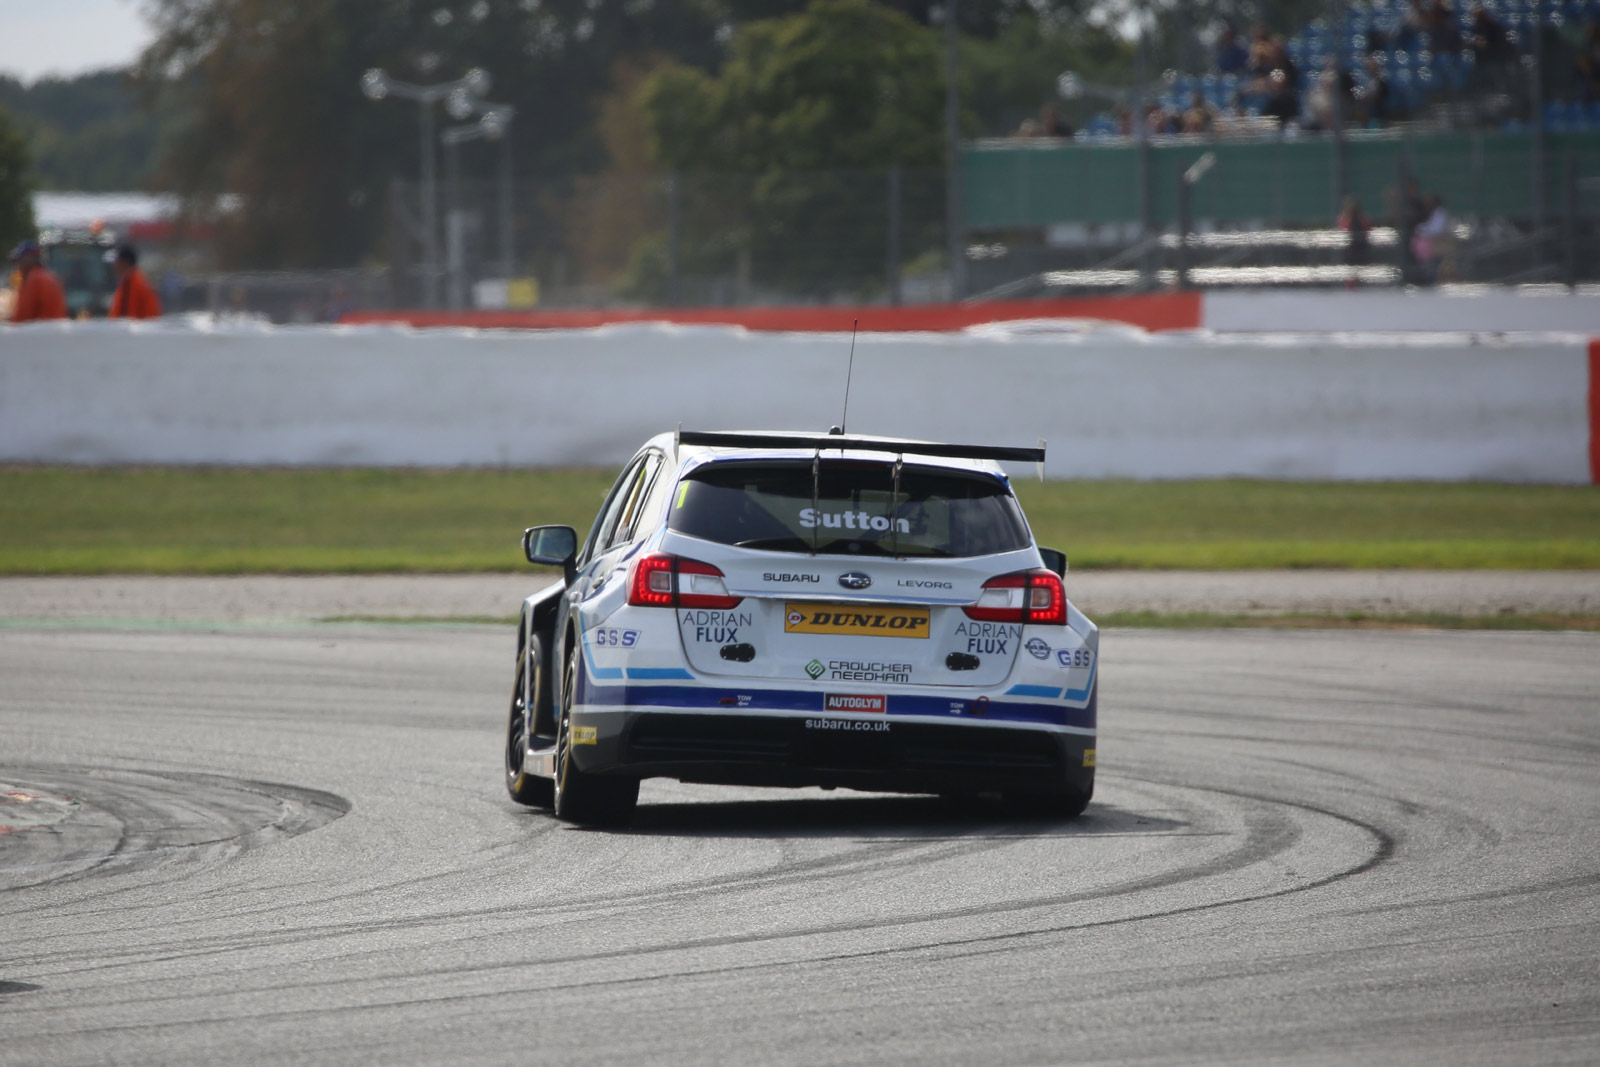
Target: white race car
(803,610)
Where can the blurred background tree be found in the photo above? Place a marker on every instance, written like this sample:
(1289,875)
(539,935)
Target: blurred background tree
(275,118)
(16,185)
(842,85)
(87,133)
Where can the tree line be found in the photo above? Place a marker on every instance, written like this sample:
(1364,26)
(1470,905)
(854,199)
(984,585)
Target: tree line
(260,99)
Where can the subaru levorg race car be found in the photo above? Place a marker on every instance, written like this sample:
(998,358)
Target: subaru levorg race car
(803,610)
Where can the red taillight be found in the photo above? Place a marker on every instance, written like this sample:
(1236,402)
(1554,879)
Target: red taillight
(1035,596)
(667,581)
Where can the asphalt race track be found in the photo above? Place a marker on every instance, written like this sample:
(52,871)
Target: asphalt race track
(290,844)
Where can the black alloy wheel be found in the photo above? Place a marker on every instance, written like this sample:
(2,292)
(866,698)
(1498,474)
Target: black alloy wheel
(524,787)
(580,798)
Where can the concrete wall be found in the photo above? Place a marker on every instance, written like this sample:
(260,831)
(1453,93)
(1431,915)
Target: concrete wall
(1471,309)
(1110,402)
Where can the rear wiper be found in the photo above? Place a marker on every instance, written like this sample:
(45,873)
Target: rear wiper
(788,543)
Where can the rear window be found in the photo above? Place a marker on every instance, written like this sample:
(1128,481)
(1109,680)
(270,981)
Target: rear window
(854,507)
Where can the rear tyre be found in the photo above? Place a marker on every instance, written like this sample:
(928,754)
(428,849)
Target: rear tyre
(586,799)
(525,788)
(1067,805)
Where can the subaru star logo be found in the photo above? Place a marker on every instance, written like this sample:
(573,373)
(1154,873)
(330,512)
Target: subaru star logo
(854,580)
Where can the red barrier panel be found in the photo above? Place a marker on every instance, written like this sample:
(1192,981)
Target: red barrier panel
(1594,412)
(1151,311)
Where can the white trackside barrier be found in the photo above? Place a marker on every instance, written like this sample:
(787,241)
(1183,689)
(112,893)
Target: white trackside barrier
(1455,308)
(1111,402)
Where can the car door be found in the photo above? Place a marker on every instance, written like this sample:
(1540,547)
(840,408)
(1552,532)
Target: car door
(597,589)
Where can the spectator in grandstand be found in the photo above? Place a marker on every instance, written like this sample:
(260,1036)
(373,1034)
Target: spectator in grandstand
(39,295)
(1377,101)
(1268,54)
(1166,120)
(1283,100)
(1232,57)
(1199,116)
(1260,64)
(1051,124)
(1444,35)
(134,298)
(1491,45)
(1430,240)
(1589,63)
(1354,221)
(1333,98)
(1408,37)
(1408,209)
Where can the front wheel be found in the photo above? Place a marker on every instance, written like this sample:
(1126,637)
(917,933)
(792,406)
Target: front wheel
(586,799)
(525,788)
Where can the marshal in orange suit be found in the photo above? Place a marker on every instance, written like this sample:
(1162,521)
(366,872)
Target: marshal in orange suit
(134,298)
(39,296)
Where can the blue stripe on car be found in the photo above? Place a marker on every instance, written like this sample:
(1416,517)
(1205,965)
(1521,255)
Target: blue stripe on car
(734,700)
(1048,692)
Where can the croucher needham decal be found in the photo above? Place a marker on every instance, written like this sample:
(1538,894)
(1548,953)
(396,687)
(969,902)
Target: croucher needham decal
(856,621)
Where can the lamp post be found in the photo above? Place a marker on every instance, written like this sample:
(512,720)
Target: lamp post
(377,85)
(1186,182)
(1070,87)
(955,238)
(493,124)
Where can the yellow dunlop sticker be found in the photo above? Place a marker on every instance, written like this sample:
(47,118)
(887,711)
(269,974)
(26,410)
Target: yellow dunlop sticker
(585,735)
(854,620)
(1088,757)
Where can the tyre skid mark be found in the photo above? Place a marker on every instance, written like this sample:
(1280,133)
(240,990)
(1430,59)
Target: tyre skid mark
(1251,852)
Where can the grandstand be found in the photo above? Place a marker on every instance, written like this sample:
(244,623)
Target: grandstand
(1494,106)
(1430,73)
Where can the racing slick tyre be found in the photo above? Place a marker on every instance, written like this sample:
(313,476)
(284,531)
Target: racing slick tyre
(524,787)
(586,799)
(1068,805)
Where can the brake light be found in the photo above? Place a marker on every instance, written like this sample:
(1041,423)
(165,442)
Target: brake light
(667,581)
(1035,596)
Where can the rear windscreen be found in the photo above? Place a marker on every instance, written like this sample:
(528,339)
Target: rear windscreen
(848,507)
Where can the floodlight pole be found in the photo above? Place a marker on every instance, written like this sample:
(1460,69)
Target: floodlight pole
(493,124)
(377,84)
(954,223)
(1186,183)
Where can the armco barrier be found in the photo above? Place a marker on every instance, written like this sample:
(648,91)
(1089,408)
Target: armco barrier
(1110,402)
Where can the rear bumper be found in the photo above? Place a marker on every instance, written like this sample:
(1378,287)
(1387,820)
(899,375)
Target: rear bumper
(886,754)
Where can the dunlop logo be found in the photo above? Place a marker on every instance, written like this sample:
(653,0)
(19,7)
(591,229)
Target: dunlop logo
(856,621)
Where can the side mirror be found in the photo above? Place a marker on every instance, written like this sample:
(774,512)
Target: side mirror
(553,546)
(1055,560)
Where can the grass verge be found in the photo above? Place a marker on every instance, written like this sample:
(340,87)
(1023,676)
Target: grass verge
(98,520)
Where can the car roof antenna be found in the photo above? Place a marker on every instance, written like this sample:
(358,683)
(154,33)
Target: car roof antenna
(854,325)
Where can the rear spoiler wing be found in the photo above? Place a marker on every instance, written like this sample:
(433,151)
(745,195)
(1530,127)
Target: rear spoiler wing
(826,441)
